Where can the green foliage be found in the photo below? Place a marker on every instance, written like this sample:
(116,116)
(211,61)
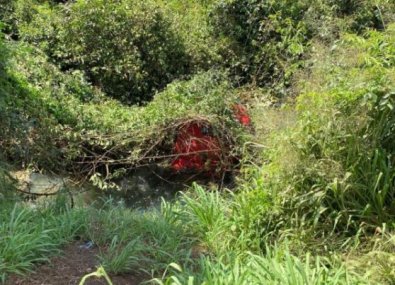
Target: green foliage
(151,241)
(190,20)
(7,184)
(365,14)
(6,9)
(31,236)
(327,182)
(123,258)
(264,42)
(274,268)
(44,104)
(127,48)
(37,98)
(3,52)
(206,210)
(168,39)
(16,12)
(265,38)
(137,241)
(339,175)
(224,250)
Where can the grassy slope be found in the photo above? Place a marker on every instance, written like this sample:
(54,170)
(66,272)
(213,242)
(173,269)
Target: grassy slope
(229,238)
(319,211)
(151,241)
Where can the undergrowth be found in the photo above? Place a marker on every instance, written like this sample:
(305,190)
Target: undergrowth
(60,122)
(314,198)
(30,236)
(193,241)
(339,173)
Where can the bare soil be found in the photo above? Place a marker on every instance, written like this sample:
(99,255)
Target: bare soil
(68,269)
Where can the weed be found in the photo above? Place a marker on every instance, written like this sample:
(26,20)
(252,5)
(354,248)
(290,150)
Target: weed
(30,236)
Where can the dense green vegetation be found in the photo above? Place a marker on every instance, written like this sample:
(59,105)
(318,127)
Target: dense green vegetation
(314,195)
(136,53)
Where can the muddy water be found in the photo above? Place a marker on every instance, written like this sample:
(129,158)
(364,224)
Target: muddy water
(142,188)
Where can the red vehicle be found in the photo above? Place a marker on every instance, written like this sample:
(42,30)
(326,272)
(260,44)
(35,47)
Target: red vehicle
(197,149)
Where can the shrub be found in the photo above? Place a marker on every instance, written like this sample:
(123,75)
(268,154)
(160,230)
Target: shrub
(264,38)
(31,113)
(127,48)
(16,12)
(190,19)
(5,12)
(264,42)
(46,105)
(365,14)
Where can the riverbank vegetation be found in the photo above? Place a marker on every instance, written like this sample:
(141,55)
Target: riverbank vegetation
(93,89)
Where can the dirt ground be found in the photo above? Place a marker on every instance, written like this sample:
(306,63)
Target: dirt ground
(69,268)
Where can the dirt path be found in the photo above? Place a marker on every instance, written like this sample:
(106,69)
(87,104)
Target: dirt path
(69,268)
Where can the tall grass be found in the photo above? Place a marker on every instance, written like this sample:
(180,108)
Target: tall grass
(135,241)
(32,235)
(333,171)
(125,257)
(200,239)
(276,267)
(230,248)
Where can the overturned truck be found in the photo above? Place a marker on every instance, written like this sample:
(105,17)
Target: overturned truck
(201,148)
(195,145)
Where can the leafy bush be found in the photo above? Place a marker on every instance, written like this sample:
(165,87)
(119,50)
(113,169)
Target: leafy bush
(365,14)
(33,110)
(16,12)
(264,42)
(264,38)
(5,12)
(50,105)
(260,41)
(128,48)
(150,130)
(190,20)
(177,41)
